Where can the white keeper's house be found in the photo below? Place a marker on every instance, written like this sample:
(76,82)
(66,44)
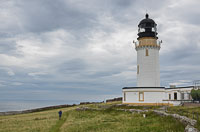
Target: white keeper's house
(148,90)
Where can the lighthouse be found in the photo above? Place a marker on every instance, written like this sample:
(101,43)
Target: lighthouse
(148,90)
(147,47)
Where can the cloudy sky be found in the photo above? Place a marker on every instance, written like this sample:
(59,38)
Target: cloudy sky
(82,49)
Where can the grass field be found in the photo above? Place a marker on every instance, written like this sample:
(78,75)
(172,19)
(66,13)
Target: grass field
(105,120)
(32,122)
(111,120)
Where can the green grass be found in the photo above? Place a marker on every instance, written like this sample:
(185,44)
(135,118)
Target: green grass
(188,112)
(32,122)
(59,123)
(107,119)
(111,120)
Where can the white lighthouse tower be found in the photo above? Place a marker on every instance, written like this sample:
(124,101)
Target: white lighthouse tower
(148,90)
(147,47)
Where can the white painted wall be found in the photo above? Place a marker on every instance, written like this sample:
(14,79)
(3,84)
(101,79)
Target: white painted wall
(132,95)
(155,95)
(149,67)
(149,97)
(186,91)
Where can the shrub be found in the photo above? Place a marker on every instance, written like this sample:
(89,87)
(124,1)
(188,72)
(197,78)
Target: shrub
(195,94)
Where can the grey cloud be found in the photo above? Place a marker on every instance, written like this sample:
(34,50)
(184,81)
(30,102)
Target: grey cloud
(84,48)
(75,65)
(40,16)
(8,47)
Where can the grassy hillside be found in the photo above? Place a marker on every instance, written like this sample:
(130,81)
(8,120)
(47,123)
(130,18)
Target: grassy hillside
(32,122)
(105,120)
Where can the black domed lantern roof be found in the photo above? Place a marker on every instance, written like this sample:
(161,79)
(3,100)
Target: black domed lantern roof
(147,28)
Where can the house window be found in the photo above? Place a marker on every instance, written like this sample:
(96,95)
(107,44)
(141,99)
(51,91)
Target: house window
(138,69)
(124,96)
(175,96)
(169,96)
(182,96)
(141,96)
(147,52)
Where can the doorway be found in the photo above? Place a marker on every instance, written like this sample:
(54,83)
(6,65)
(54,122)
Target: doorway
(175,96)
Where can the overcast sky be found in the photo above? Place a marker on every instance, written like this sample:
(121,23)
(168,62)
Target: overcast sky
(82,49)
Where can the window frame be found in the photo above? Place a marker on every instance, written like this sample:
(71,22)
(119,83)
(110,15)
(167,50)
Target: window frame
(141,93)
(182,96)
(170,97)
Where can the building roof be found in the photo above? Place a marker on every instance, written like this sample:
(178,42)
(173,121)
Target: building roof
(156,87)
(181,87)
(142,87)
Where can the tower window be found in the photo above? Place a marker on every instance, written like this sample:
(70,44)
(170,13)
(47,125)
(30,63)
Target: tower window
(147,52)
(138,69)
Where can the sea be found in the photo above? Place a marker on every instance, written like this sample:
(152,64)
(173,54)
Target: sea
(18,105)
